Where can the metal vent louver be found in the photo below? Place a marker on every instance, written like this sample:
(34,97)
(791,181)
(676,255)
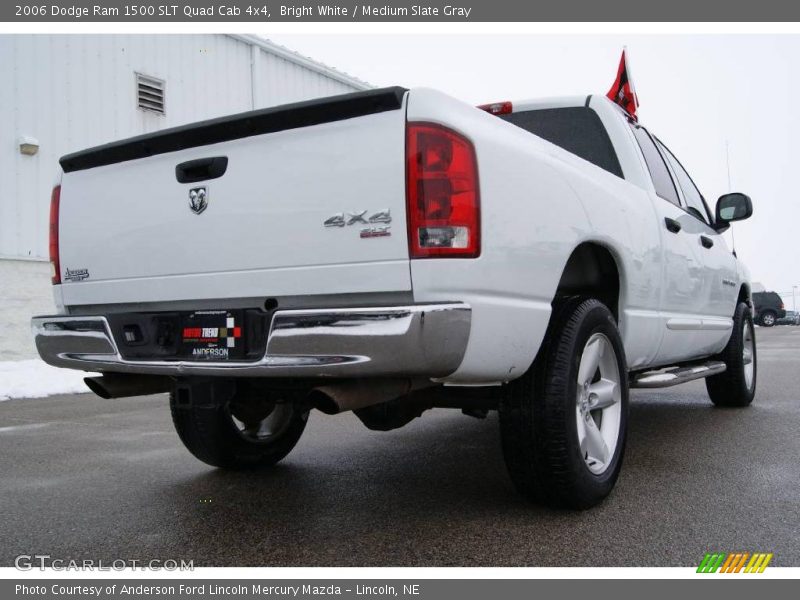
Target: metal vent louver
(150,93)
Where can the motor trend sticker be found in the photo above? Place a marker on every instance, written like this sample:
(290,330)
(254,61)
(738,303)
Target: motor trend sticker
(212,341)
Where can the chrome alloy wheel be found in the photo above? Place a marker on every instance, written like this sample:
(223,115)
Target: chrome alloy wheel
(768,319)
(748,354)
(598,403)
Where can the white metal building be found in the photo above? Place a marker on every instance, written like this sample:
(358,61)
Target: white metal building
(61,93)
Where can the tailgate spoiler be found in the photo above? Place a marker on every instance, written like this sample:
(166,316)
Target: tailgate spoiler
(246,124)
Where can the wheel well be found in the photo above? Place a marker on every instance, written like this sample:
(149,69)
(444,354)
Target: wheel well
(744,296)
(591,271)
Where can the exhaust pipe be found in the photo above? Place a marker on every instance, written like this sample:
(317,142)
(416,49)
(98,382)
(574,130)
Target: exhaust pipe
(120,385)
(352,395)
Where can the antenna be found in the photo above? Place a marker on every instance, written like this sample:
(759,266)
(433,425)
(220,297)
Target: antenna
(728,163)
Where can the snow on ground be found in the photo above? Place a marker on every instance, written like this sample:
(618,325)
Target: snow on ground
(36,379)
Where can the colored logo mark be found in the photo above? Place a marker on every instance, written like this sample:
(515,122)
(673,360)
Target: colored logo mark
(737,562)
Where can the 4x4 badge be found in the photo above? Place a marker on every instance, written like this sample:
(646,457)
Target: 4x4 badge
(358,217)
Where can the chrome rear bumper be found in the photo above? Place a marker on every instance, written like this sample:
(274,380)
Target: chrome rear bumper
(418,340)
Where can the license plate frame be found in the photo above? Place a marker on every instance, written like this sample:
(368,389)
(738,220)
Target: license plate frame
(212,335)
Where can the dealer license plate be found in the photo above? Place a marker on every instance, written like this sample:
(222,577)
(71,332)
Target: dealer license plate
(212,335)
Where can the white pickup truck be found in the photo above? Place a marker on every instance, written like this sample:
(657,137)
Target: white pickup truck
(392,251)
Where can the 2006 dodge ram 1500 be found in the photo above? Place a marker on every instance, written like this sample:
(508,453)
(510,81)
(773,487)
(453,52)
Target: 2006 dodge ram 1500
(391,251)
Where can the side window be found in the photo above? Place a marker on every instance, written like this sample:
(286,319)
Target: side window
(694,199)
(659,173)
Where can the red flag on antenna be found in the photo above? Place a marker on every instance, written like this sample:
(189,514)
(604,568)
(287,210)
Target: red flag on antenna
(623,92)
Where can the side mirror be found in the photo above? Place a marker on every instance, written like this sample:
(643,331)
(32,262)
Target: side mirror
(733,207)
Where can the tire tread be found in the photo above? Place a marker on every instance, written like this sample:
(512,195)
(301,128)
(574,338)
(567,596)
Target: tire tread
(729,389)
(206,432)
(534,420)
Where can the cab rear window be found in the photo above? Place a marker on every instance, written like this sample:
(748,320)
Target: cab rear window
(576,129)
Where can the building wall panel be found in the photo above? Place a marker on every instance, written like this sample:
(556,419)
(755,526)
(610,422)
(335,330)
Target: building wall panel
(75,91)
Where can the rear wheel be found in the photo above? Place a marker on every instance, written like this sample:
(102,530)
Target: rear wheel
(564,422)
(768,318)
(736,386)
(234,429)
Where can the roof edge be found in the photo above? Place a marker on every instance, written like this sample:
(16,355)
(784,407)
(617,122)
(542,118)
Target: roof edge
(299,59)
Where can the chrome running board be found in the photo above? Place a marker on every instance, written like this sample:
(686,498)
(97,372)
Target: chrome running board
(669,376)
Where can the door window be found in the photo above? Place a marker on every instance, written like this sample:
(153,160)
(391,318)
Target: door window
(662,180)
(694,199)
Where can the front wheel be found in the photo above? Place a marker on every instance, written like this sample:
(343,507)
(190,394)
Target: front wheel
(237,429)
(736,386)
(563,424)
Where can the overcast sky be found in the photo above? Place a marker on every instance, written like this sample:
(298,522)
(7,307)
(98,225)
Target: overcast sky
(696,92)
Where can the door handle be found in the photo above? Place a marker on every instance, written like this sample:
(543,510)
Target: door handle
(706,241)
(672,225)
(201,169)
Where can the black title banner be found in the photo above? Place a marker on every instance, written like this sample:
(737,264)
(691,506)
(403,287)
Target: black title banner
(262,11)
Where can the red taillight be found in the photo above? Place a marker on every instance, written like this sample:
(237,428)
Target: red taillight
(442,193)
(55,263)
(497,108)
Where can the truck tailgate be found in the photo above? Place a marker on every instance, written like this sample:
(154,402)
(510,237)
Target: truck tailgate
(128,231)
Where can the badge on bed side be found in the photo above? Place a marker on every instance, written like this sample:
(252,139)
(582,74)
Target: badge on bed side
(359,217)
(74,275)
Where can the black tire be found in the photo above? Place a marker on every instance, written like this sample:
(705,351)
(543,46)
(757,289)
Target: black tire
(538,413)
(768,318)
(730,388)
(205,424)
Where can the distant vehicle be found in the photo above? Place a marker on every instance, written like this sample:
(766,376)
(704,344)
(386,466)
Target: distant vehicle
(791,318)
(769,308)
